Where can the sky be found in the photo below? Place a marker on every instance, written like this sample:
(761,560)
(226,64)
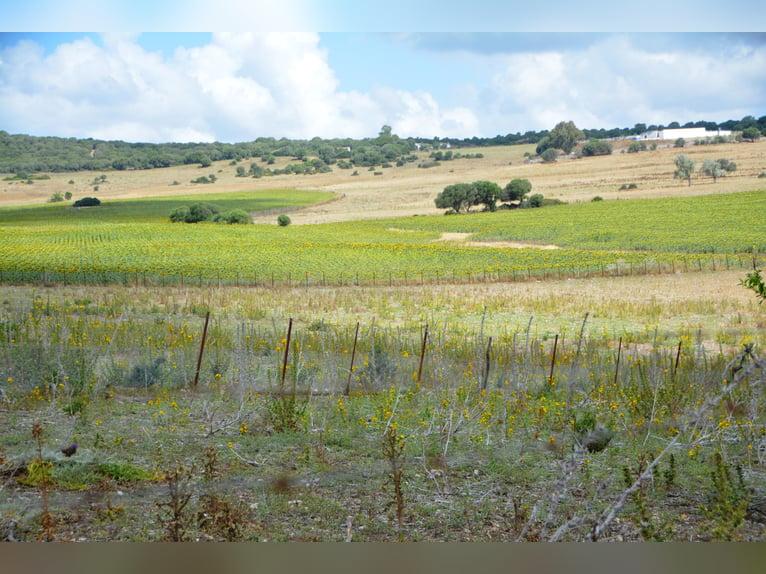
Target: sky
(160,71)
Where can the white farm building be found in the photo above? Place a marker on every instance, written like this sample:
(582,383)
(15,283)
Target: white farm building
(686,133)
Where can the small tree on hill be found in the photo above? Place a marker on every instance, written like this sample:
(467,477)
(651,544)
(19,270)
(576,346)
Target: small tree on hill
(457,197)
(751,134)
(487,193)
(596,147)
(684,167)
(516,190)
(716,168)
(550,155)
(565,136)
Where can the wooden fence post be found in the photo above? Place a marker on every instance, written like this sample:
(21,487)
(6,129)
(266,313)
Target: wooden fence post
(353,355)
(201,350)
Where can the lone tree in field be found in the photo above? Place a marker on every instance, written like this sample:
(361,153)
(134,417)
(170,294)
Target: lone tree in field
(684,167)
(716,168)
(516,190)
(565,136)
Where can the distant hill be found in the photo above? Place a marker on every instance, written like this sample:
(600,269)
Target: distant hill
(30,154)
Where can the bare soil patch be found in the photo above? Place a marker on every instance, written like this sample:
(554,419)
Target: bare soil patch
(464,238)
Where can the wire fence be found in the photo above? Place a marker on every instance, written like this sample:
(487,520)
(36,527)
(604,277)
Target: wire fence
(265,278)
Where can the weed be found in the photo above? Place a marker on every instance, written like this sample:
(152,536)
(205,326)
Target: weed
(287,413)
(649,529)
(144,375)
(40,474)
(393,452)
(670,473)
(219,517)
(727,500)
(173,512)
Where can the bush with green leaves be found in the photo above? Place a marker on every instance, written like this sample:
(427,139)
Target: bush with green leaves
(56,197)
(194,213)
(516,190)
(751,133)
(549,155)
(596,147)
(180,214)
(283,220)
(716,168)
(235,216)
(636,147)
(87,202)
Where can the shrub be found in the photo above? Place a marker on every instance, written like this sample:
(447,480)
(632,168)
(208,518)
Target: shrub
(597,198)
(516,190)
(55,197)
(87,202)
(680,142)
(68,195)
(549,155)
(283,220)
(636,147)
(235,216)
(145,374)
(179,214)
(535,200)
(596,147)
(201,212)
(751,134)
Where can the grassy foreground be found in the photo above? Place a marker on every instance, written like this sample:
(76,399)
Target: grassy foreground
(492,438)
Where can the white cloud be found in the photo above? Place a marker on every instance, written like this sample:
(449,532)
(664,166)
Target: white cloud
(617,82)
(241,86)
(236,88)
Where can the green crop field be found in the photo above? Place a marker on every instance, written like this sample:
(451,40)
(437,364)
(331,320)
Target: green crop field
(724,223)
(120,239)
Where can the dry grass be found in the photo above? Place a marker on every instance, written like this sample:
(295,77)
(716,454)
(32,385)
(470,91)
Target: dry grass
(410,190)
